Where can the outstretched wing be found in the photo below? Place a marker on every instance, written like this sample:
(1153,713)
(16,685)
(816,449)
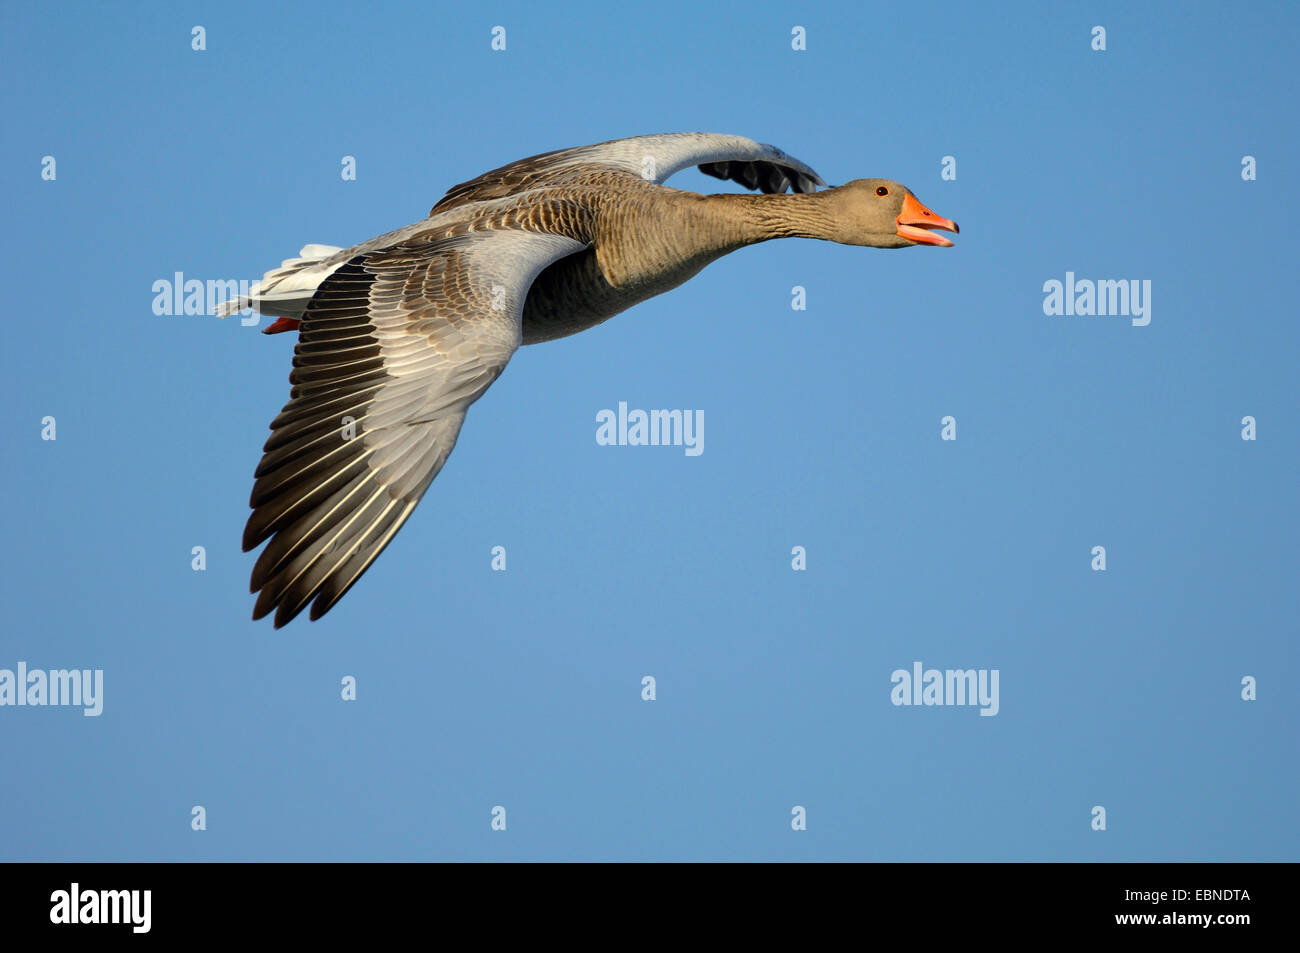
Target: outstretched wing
(394,347)
(652,158)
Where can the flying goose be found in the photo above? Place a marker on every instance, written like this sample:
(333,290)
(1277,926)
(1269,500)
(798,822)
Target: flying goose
(400,334)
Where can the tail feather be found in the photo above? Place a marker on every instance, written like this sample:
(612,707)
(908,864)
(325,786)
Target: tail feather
(285,291)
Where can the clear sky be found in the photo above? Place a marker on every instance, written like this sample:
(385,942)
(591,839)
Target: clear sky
(523,689)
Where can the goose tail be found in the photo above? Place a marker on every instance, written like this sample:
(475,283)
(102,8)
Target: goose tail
(285,291)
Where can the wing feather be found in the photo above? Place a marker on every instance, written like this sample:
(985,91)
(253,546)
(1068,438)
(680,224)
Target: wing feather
(394,347)
(752,164)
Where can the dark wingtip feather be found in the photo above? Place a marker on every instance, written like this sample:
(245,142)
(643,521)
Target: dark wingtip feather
(261,608)
(250,539)
(767,177)
(805,183)
(320,606)
(286,612)
(719,170)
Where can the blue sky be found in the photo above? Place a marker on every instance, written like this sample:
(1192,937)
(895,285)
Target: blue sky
(522,688)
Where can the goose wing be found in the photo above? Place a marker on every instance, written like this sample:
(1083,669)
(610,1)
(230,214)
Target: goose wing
(394,346)
(650,158)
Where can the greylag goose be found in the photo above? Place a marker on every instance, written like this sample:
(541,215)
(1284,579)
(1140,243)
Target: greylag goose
(400,334)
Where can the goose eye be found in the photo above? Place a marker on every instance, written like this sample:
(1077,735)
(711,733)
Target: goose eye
(881,190)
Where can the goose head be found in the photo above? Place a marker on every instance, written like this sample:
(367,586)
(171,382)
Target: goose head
(884,214)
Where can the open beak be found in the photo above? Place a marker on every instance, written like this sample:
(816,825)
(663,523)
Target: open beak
(915,222)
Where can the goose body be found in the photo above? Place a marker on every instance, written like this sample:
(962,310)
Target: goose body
(400,334)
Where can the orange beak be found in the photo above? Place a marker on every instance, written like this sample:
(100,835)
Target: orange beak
(915,222)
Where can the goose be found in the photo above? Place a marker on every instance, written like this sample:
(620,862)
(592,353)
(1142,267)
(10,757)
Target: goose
(399,335)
